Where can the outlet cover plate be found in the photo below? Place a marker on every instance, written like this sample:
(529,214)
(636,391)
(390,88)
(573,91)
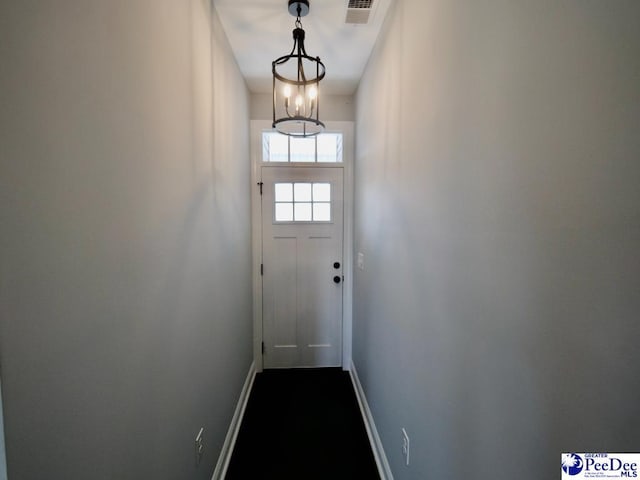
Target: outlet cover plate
(199,444)
(406,444)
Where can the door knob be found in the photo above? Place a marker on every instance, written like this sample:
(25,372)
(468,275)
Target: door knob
(336,265)
(336,279)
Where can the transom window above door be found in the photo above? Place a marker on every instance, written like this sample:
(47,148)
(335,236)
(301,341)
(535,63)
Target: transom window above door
(323,148)
(302,202)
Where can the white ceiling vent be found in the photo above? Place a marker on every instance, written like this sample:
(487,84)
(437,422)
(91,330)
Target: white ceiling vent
(359,11)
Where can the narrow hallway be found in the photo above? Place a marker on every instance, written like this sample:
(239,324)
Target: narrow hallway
(486,279)
(302,423)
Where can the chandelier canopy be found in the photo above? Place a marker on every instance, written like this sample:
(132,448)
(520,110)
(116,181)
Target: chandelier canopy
(296,84)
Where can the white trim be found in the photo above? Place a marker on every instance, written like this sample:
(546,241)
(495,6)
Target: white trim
(256,128)
(347,130)
(376,444)
(348,151)
(3,455)
(232,434)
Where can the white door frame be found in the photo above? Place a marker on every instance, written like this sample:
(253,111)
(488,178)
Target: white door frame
(347,129)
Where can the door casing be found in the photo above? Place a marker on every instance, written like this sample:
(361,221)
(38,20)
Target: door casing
(347,129)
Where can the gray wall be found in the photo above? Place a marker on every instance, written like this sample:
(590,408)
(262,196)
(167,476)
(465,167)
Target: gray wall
(498,210)
(125,317)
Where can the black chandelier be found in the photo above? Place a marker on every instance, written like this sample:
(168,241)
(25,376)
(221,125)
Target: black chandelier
(296,84)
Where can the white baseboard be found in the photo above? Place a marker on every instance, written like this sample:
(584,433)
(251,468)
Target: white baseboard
(232,434)
(376,444)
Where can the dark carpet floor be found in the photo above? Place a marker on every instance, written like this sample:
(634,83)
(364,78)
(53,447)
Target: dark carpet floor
(305,425)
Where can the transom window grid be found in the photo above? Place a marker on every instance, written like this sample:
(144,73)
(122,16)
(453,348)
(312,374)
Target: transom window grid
(322,148)
(302,202)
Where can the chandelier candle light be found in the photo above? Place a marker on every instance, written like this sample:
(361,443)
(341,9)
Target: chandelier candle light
(296,100)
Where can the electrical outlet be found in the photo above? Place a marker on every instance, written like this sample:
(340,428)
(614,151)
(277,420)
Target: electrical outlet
(199,446)
(405,445)
(360,261)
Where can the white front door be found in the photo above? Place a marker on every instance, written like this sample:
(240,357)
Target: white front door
(302,232)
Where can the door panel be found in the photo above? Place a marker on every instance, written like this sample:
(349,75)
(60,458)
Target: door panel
(302,289)
(284,299)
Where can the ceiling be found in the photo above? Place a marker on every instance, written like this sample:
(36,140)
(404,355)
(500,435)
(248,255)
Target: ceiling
(259,31)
